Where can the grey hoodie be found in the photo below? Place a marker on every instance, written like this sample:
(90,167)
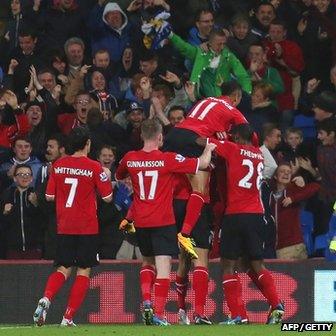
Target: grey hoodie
(113,6)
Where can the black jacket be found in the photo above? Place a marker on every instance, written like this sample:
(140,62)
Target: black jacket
(22,226)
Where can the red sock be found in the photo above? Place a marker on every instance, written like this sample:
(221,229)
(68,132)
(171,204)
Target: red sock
(231,289)
(268,287)
(161,288)
(193,211)
(200,287)
(254,277)
(54,284)
(181,288)
(241,303)
(77,295)
(147,278)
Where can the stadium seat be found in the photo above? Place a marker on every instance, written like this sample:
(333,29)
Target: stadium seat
(331,233)
(330,256)
(306,124)
(307,226)
(321,242)
(332,226)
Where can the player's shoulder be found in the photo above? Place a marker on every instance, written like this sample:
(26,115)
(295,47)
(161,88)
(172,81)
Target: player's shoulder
(62,160)
(225,102)
(92,163)
(174,156)
(131,154)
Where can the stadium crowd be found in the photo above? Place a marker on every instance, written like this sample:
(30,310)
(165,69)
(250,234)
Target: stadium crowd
(70,63)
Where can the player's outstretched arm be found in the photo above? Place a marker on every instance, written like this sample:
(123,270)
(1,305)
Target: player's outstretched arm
(205,158)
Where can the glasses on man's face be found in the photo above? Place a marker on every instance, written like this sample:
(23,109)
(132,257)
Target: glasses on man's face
(83,101)
(24,175)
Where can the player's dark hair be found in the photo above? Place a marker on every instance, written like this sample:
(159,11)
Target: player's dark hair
(244,131)
(22,166)
(228,88)
(150,128)
(78,138)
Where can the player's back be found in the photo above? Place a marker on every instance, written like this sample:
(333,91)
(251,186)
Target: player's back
(152,175)
(211,116)
(75,181)
(244,174)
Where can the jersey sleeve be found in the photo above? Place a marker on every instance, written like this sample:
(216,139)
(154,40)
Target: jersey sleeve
(224,148)
(51,186)
(103,184)
(238,119)
(177,163)
(121,171)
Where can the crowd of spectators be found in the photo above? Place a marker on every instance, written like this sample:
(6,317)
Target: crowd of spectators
(69,63)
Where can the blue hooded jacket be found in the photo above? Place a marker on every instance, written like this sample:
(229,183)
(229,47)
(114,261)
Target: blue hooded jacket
(105,37)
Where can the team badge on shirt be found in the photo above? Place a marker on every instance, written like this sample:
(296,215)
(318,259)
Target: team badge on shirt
(179,158)
(103,177)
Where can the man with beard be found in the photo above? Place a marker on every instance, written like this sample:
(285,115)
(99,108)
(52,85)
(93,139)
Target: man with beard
(264,15)
(55,150)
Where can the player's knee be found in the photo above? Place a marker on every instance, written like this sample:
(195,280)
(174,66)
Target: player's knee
(257,266)
(228,266)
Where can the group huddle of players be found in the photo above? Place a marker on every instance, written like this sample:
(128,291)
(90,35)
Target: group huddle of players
(170,208)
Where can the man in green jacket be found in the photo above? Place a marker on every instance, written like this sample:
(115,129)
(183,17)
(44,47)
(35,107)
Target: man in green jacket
(213,67)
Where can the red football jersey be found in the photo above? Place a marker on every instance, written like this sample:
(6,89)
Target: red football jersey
(182,187)
(74,181)
(153,175)
(212,117)
(244,173)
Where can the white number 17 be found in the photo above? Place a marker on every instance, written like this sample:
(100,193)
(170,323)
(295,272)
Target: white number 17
(154,178)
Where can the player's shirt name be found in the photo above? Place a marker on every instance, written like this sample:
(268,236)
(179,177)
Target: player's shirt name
(250,154)
(145,164)
(73,171)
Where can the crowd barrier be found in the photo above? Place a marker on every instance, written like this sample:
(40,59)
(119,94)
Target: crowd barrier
(308,289)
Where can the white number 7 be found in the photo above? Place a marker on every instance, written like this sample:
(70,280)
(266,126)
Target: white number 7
(74,183)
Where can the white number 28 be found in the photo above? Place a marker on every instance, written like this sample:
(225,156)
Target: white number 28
(245,182)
